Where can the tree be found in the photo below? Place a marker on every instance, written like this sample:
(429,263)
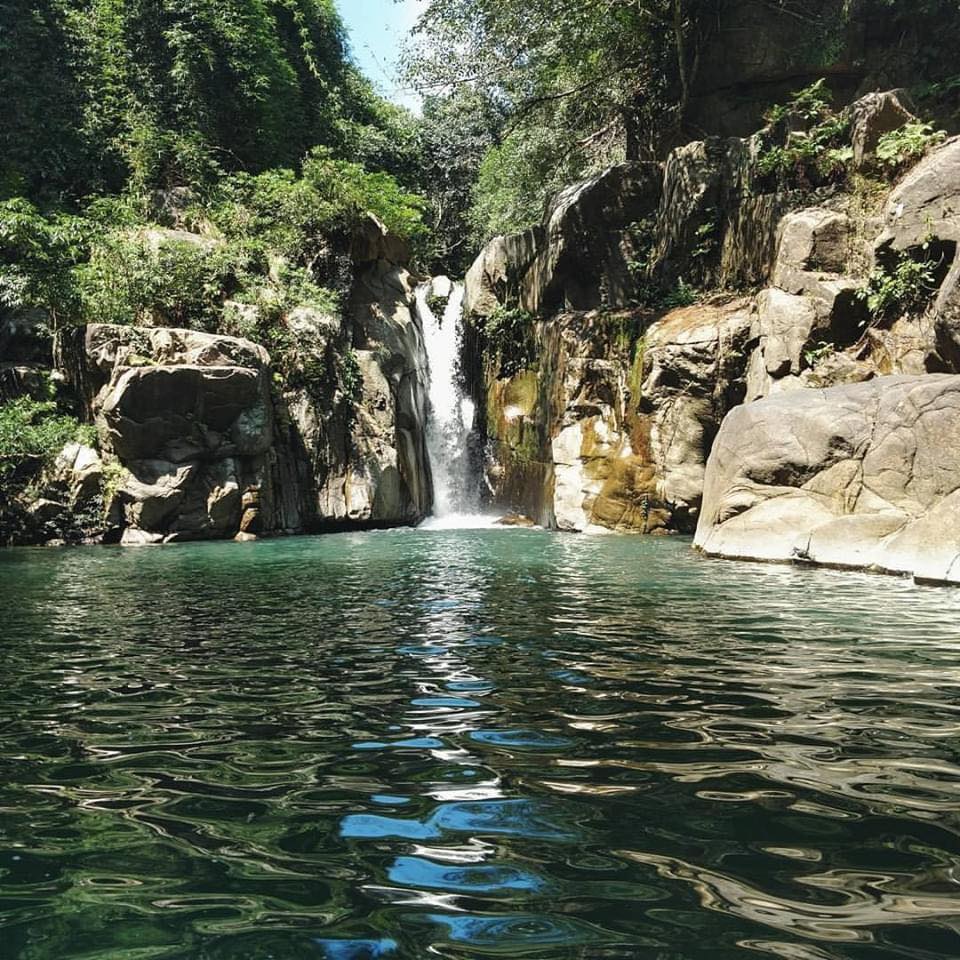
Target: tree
(456,132)
(582,83)
(96,95)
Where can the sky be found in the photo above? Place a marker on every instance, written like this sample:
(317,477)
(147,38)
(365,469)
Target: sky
(377,30)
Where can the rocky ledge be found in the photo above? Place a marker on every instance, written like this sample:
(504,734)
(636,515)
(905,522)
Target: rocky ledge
(858,476)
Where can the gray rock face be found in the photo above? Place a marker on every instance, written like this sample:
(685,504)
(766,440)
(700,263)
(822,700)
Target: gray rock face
(814,250)
(695,365)
(185,420)
(497,275)
(925,209)
(863,476)
(874,115)
(579,258)
(584,261)
(360,459)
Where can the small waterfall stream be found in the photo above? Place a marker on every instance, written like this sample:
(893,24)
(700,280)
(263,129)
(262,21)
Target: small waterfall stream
(456,485)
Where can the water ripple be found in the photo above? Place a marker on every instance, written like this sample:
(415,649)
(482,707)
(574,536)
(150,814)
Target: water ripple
(473,743)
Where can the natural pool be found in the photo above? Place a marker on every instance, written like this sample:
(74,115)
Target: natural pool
(473,744)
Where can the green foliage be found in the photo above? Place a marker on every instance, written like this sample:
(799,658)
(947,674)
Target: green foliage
(455,134)
(267,240)
(349,375)
(352,190)
(34,430)
(115,475)
(706,238)
(682,295)
(939,89)
(811,104)
(813,355)
(907,287)
(815,148)
(151,278)
(37,256)
(641,235)
(657,296)
(296,216)
(907,144)
(583,85)
(98,95)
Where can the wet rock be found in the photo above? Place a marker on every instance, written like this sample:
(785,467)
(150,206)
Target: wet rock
(516,520)
(613,429)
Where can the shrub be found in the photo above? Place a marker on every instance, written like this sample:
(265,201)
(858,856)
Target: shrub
(810,156)
(656,296)
(814,150)
(907,144)
(906,288)
(814,354)
(37,254)
(135,278)
(811,103)
(682,295)
(352,190)
(34,430)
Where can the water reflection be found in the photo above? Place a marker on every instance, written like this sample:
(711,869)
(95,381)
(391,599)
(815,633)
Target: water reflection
(473,743)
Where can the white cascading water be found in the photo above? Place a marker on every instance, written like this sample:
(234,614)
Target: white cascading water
(456,488)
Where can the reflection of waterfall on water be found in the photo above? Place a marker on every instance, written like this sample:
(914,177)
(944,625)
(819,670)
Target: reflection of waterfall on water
(456,487)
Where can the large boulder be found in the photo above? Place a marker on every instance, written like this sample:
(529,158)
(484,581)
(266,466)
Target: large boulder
(694,365)
(185,424)
(585,260)
(863,476)
(581,257)
(922,219)
(180,413)
(496,276)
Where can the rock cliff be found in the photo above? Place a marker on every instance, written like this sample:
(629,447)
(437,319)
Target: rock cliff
(200,437)
(603,403)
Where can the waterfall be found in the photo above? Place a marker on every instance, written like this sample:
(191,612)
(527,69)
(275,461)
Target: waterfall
(456,485)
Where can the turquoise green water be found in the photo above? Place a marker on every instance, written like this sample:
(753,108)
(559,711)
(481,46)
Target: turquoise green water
(473,744)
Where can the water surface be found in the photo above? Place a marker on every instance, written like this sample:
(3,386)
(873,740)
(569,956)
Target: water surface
(469,744)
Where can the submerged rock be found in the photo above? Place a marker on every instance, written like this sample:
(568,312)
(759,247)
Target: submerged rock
(516,520)
(862,476)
